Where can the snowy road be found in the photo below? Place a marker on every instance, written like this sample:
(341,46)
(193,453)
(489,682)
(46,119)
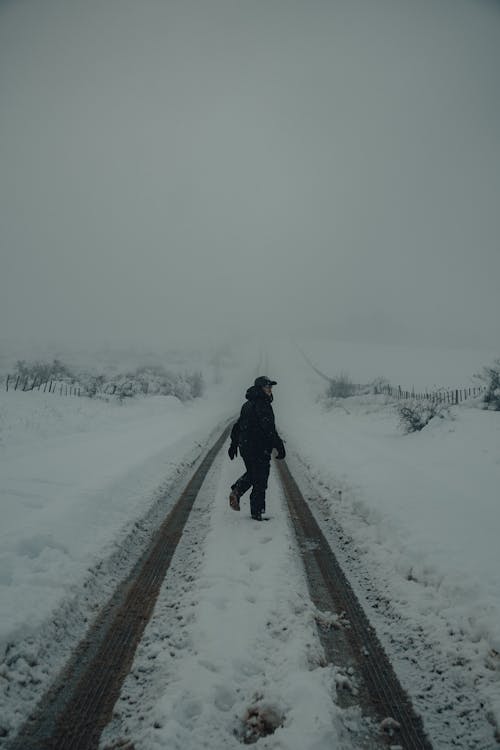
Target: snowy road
(233,636)
(231,654)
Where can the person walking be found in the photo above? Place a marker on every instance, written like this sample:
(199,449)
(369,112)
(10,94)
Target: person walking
(255,435)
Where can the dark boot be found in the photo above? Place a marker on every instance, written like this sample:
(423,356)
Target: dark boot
(234,499)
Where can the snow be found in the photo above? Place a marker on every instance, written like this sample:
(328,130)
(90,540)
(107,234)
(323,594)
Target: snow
(240,638)
(413,519)
(66,496)
(421,511)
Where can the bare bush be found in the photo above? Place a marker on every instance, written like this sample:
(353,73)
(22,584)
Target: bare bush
(43,371)
(157,380)
(341,386)
(92,384)
(154,380)
(491,376)
(415,415)
(379,385)
(151,379)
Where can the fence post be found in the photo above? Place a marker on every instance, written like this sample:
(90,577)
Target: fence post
(7,383)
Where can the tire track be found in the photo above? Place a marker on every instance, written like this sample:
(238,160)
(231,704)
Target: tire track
(73,713)
(354,645)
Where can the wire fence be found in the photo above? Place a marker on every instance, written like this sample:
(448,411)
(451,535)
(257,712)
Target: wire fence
(436,396)
(63,388)
(184,388)
(439,396)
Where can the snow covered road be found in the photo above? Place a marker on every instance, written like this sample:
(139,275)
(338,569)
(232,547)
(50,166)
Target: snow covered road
(232,647)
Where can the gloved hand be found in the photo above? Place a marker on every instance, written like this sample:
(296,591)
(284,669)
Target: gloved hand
(232,451)
(280,452)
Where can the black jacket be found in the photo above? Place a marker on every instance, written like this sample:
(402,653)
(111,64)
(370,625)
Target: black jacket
(255,431)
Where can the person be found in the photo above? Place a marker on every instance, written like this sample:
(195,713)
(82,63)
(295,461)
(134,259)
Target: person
(255,435)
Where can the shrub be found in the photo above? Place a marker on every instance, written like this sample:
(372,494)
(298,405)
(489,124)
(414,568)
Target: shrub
(196,384)
(379,385)
(43,371)
(415,415)
(491,375)
(150,379)
(155,380)
(341,387)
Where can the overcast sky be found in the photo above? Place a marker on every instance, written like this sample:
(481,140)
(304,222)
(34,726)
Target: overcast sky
(203,167)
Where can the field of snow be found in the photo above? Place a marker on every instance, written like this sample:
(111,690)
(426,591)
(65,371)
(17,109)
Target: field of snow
(420,514)
(421,510)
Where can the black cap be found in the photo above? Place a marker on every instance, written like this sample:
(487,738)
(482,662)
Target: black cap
(262,380)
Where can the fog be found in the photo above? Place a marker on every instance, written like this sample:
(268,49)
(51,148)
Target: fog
(210,169)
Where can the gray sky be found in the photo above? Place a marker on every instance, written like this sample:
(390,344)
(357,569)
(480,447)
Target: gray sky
(203,167)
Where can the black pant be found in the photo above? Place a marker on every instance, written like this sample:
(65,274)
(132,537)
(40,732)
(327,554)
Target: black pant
(255,476)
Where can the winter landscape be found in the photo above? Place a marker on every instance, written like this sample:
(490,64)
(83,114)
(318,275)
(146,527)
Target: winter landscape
(194,194)
(419,514)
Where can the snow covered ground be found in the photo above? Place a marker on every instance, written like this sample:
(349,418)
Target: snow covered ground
(233,630)
(233,640)
(422,514)
(78,478)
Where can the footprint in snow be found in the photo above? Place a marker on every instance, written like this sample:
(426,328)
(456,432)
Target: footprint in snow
(224,698)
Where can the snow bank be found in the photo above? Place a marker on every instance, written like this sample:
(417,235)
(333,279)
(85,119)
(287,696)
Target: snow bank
(74,473)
